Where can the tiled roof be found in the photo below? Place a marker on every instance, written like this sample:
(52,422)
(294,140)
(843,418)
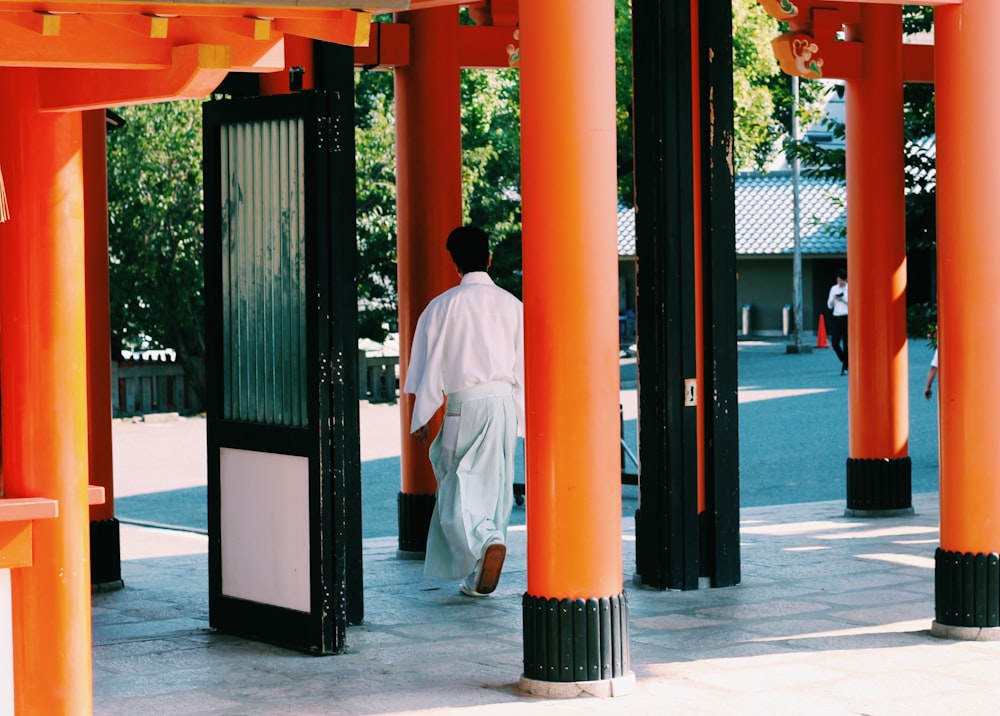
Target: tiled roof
(626,230)
(764,216)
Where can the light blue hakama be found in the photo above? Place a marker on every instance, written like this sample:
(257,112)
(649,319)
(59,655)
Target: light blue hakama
(473,460)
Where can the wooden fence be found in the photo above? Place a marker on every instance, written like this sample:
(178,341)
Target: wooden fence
(158,385)
(143,386)
(378,381)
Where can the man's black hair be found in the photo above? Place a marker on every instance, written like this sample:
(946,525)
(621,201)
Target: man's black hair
(842,273)
(469,247)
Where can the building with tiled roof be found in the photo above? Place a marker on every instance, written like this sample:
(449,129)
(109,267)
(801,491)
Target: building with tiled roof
(765,247)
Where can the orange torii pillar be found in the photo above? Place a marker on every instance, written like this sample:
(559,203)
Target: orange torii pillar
(428,207)
(575,611)
(44,346)
(878,466)
(105,538)
(967,569)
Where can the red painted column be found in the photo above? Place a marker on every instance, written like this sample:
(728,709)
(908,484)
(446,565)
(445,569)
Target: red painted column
(571,358)
(105,543)
(428,207)
(878,469)
(968,275)
(43,312)
(697,143)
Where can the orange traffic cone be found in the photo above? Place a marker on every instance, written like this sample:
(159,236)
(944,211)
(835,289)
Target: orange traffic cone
(821,341)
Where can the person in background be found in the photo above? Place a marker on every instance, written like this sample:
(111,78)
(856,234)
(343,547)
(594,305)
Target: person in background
(467,348)
(837,303)
(931,375)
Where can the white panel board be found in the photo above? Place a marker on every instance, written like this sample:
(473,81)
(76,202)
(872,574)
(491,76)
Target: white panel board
(265,528)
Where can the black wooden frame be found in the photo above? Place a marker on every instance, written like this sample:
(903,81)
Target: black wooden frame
(330,439)
(675,544)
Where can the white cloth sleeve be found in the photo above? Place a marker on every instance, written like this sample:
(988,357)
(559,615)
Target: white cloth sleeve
(424,374)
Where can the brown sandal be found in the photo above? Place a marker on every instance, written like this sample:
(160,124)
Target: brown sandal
(490,567)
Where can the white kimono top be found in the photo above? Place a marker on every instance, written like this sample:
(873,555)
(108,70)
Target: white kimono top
(470,334)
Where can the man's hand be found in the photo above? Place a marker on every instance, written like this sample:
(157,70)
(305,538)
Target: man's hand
(928,393)
(422,433)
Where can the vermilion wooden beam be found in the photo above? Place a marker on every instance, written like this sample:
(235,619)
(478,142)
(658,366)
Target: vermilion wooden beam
(918,63)
(913,2)
(95,495)
(814,49)
(75,44)
(15,544)
(16,516)
(236,8)
(20,509)
(486,46)
(136,40)
(389,46)
(196,71)
(351,29)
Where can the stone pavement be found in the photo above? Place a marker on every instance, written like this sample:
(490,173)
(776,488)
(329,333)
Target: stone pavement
(832,617)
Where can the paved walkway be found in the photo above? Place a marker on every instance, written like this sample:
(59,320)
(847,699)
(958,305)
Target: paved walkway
(832,617)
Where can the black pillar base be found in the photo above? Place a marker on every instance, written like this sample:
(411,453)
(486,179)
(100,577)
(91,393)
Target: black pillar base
(966,589)
(414,520)
(577,641)
(105,556)
(879,487)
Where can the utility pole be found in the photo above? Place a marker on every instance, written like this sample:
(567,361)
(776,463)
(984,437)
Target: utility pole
(796,345)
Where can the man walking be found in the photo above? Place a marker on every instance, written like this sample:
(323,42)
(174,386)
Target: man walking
(467,348)
(837,303)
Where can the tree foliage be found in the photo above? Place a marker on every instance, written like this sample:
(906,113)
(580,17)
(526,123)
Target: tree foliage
(491,152)
(491,180)
(623,100)
(375,161)
(156,203)
(918,125)
(491,166)
(757,127)
(156,234)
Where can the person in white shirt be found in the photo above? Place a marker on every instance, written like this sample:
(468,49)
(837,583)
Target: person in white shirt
(837,303)
(468,349)
(931,375)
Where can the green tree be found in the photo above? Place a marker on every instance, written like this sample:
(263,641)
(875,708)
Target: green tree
(491,166)
(623,100)
(491,151)
(757,120)
(375,162)
(491,180)
(757,128)
(156,238)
